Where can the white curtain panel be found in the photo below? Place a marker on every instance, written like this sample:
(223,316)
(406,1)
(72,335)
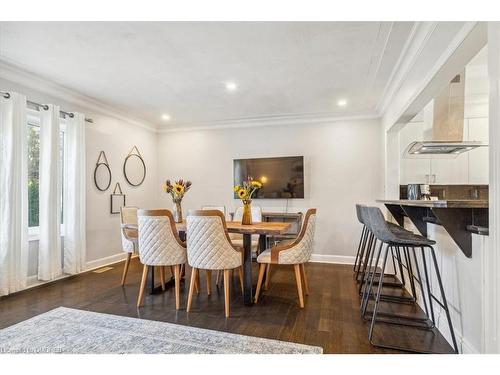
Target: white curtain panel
(13,194)
(74,195)
(49,251)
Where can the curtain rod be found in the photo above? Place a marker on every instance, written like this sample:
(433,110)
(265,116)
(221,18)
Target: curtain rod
(6,95)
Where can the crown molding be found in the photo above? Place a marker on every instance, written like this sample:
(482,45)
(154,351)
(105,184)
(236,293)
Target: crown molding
(469,28)
(277,120)
(12,72)
(418,38)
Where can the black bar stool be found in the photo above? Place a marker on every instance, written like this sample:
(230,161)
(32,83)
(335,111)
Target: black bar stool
(375,222)
(363,266)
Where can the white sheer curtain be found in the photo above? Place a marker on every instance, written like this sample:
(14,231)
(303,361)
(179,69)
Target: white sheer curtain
(49,251)
(13,194)
(74,195)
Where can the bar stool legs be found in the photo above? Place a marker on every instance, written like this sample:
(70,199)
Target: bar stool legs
(430,297)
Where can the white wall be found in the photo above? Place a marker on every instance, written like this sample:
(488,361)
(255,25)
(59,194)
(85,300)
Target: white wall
(116,137)
(343,166)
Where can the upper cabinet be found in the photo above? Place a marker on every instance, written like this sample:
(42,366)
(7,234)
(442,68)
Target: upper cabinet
(412,171)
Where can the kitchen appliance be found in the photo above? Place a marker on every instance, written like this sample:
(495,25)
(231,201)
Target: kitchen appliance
(425,192)
(444,124)
(413,192)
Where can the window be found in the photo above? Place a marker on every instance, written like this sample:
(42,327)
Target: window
(34,172)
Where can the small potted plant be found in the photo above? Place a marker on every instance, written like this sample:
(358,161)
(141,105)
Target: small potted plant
(177,191)
(245,192)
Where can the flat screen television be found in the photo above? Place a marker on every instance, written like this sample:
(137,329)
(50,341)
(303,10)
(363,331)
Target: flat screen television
(282,177)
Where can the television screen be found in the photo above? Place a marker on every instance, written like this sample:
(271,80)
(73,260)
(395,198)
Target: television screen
(281,177)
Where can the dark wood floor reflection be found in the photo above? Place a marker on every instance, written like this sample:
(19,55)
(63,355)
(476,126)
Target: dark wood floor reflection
(330,318)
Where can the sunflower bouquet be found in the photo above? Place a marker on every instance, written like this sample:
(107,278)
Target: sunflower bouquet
(177,191)
(245,192)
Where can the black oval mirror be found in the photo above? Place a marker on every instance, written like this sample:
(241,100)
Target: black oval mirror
(102,176)
(134,169)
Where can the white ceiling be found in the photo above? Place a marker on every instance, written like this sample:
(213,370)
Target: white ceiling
(147,69)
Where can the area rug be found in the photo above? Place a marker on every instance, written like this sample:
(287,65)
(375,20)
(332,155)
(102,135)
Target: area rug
(65,330)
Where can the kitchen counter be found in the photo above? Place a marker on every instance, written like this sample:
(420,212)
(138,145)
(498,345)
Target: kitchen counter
(445,203)
(459,217)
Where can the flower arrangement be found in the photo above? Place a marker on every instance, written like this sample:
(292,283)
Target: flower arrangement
(245,192)
(177,191)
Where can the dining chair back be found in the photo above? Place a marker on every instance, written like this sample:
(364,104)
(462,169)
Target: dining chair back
(160,246)
(296,253)
(209,248)
(256,214)
(219,208)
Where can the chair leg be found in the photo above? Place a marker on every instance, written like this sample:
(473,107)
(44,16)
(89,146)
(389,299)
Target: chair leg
(262,270)
(143,285)
(177,276)
(125,268)
(198,285)
(217,279)
(268,276)
(194,272)
(299,285)
(162,277)
(304,278)
(226,292)
(209,282)
(172,271)
(240,274)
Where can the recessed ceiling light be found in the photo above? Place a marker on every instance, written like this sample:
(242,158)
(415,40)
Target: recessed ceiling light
(231,86)
(342,103)
(165,117)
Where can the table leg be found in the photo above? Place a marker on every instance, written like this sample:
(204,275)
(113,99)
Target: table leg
(155,289)
(247,268)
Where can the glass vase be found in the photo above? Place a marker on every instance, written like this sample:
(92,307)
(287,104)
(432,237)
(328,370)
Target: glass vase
(177,212)
(247,213)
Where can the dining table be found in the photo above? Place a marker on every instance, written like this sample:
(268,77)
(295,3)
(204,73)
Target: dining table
(262,229)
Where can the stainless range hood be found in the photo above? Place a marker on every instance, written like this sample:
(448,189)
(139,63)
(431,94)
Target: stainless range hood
(444,122)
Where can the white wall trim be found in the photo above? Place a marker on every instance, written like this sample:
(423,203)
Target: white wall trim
(334,259)
(12,72)
(279,120)
(412,49)
(98,263)
(492,257)
(90,266)
(431,73)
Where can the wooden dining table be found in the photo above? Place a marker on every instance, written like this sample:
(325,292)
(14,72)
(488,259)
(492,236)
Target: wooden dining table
(262,229)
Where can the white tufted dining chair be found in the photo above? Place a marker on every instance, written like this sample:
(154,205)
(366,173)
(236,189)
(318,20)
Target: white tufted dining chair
(209,248)
(160,246)
(220,208)
(295,252)
(128,221)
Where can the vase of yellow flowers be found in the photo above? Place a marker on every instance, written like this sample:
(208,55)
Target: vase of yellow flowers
(177,191)
(245,192)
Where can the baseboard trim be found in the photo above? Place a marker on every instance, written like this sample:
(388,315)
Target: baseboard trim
(33,281)
(334,259)
(98,263)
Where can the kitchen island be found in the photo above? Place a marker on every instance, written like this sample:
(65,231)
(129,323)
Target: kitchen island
(459,217)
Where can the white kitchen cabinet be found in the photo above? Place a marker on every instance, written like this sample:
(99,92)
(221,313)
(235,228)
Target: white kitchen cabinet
(450,171)
(412,171)
(478,158)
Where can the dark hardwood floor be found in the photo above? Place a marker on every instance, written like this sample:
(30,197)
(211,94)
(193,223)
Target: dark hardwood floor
(330,318)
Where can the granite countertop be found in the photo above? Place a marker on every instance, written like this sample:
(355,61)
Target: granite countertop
(444,203)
